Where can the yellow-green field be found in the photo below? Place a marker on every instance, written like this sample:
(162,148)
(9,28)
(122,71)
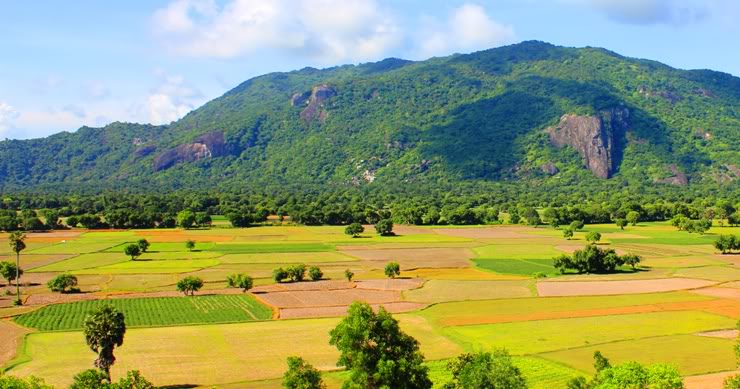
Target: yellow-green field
(461,289)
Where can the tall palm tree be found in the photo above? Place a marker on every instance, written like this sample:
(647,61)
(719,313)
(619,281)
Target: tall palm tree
(17,243)
(104,331)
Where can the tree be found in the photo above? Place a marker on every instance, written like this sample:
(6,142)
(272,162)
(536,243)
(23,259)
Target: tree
(297,273)
(241,281)
(576,225)
(731,382)
(568,233)
(384,227)
(134,380)
(9,271)
(104,330)
(10,382)
(279,275)
(727,243)
(190,245)
(348,274)
(631,260)
(62,282)
(635,375)
(532,217)
(593,259)
(189,285)
(96,379)
(354,230)
(186,219)
(315,273)
(392,269)
(485,370)
(143,245)
(600,362)
(51,219)
(132,251)
(376,353)
(302,375)
(621,223)
(72,221)
(633,217)
(17,244)
(593,237)
(203,219)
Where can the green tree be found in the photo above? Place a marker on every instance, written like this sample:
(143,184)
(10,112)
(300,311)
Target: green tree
(62,283)
(392,269)
(134,380)
(297,273)
(241,281)
(732,382)
(568,233)
(354,230)
(631,260)
(593,237)
(727,243)
(9,271)
(143,245)
(633,217)
(601,362)
(91,379)
(189,285)
(384,227)
(190,245)
(315,273)
(132,251)
(17,244)
(621,223)
(532,217)
(203,219)
(302,375)
(576,225)
(349,274)
(485,370)
(104,330)
(186,219)
(279,275)
(10,382)
(376,353)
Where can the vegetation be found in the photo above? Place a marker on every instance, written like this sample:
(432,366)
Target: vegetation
(10,382)
(133,251)
(190,245)
(376,352)
(9,271)
(727,243)
(594,259)
(17,244)
(63,283)
(315,273)
(104,330)
(143,245)
(302,375)
(241,281)
(96,379)
(392,270)
(485,370)
(384,227)
(593,237)
(349,275)
(189,285)
(354,230)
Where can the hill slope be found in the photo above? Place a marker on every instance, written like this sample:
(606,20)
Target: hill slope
(530,112)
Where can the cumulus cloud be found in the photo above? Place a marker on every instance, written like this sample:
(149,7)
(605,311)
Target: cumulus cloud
(171,100)
(8,115)
(328,30)
(675,12)
(468,28)
(95,90)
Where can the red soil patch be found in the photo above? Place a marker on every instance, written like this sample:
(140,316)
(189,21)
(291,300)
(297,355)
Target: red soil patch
(599,288)
(707,381)
(304,286)
(487,232)
(390,284)
(416,258)
(328,298)
(11,337)
(731,293)
(710,306)
(724,334)
(312,312)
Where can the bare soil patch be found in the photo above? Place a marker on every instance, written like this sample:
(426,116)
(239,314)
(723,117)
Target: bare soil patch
(724,334)
(328,298)
(598,288)
(311,312)
(487,232)
(570,248)
(390,284)
(731,293)
(11,337)
(304,286)
(416,258)
(707,381)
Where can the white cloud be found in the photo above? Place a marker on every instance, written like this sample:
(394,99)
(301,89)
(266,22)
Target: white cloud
(468,28)
(171,100)
(95,90)
(8,115)
(329,30)
(674,12)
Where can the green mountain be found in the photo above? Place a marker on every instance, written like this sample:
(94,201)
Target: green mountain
(530,113)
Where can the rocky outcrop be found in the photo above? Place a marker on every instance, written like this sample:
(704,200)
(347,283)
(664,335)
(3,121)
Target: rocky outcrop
(315,107)
(205,146)
(143,151)
(677,178)
(593,137)
(300,99)
(549,168)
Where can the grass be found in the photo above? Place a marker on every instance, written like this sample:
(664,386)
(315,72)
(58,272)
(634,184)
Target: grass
(158,247)
(712,273)
(457,313)
(250,248)
(186,355)
(153,267)
(151,312)
(692,354)
(84,261)
(517,266)
(539,336)
(435,291)
(519,259)
(287,258)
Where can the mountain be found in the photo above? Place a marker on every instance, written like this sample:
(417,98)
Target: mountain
(528,113)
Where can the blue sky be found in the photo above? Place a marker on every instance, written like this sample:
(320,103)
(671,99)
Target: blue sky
(69,63)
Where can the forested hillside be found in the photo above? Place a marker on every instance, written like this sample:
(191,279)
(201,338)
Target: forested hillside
(530,113)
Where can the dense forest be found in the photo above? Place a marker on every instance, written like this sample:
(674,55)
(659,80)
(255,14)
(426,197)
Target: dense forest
(525,123)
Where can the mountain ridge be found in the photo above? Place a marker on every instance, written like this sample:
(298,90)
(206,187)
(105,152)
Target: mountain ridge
(486,116)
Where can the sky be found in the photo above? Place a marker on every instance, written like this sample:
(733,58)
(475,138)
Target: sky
(72,63)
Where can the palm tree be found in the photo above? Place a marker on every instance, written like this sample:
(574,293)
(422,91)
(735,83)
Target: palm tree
(17,243)
(104,330)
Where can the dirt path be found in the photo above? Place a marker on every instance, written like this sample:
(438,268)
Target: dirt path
(708,381)
(11,337)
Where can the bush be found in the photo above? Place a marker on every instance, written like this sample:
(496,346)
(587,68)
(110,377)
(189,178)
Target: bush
(279,275)
(301,375)
(315,273)
(392,270)
(384,227)
(189,285)
(297,273)
(143,245)
(593,259)
(727,243)
(132,250)
(354,229)
(348,274)
(241,281)
(593,237)
(62,282)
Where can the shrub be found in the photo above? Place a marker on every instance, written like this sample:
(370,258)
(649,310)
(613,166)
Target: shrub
(62,282)
(354,229)
(392,269)
(384,227)
(241,281)
(132,250)
(315,273)
(279,275)
(348,274)
(189,285)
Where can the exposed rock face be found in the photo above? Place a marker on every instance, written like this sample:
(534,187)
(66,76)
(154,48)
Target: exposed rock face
(143,151)
(549,168)
(208,145)
(678,178)
(319,95)
(300,99)
(592,136)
